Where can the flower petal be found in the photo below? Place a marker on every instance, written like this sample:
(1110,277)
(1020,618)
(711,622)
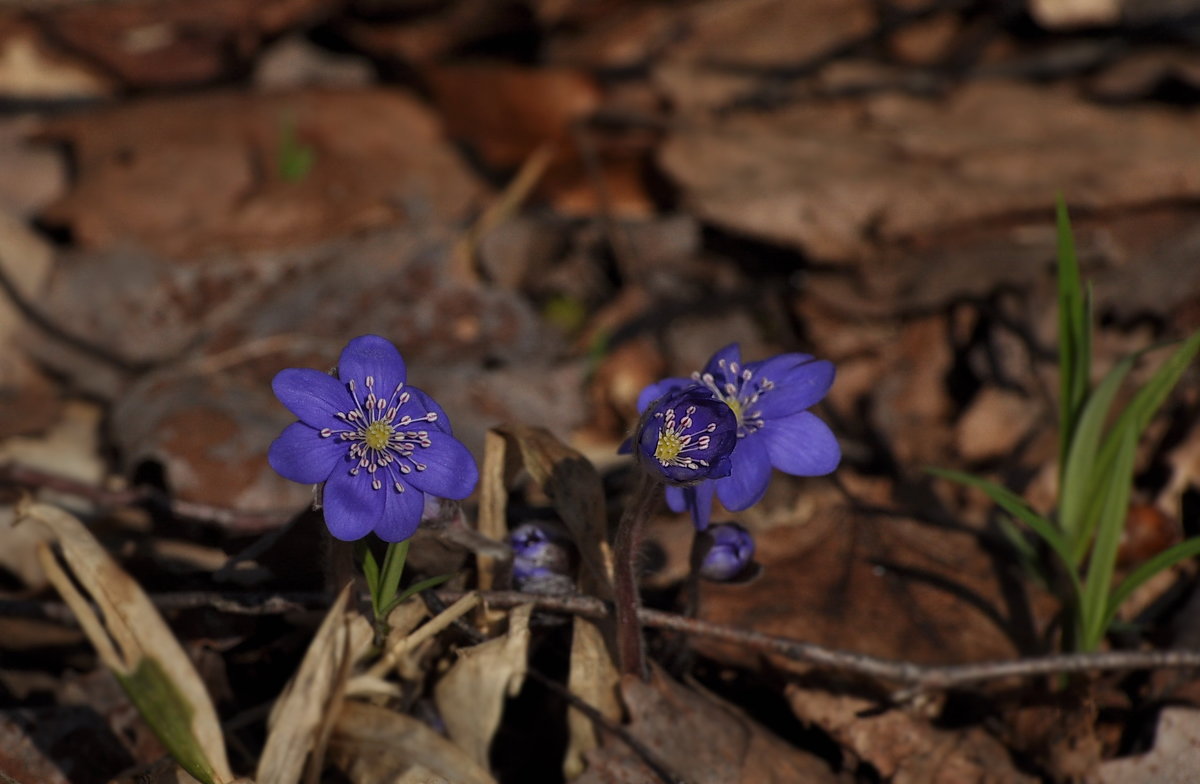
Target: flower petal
(751,474)
(798,386)
(421,400)
(401,513)
(658,389)
(376,357)
(677,498)
(801,445)
(731,355)
(352,507)
(450,470)
(301,455)
(312,396)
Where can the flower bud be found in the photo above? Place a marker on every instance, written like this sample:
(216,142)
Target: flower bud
(730,553)
(542,559)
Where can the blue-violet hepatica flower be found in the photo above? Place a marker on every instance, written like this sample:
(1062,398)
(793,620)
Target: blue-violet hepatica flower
(769,400)
(378,445)
(541,559)
(686,436)
(731,549)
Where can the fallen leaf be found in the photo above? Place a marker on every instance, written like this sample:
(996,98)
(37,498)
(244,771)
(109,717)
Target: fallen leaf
(302,716)
(904,748)
(372,744)
(199,174)
(841,179)
(574,488)
(700,738)
(132,639)
(593,678)
(470,697)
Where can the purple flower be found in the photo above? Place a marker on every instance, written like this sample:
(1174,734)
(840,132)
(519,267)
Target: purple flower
(730,552)
(769,400)
(686,436)
(541,559)
(378,445)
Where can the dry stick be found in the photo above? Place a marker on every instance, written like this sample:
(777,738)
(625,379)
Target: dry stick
(918,677)
(233,519)
(626,546)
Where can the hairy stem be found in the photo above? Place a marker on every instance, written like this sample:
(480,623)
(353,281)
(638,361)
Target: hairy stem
(630,647)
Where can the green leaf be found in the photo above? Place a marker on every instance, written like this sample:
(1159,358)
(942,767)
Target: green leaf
(169,714)
(393,569)
(1114,511)
(1164,560)
(415,588)
(1074,334)
(1016,506)
(1079,478)
(371,572)
(295,158)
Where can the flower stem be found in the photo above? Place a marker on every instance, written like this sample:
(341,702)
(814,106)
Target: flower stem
(630,648)
(383,594)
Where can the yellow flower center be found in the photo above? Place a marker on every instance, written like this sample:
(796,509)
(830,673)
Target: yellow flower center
(669,446)
(735,405)
(377,435)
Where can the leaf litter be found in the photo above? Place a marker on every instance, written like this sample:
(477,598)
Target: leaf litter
(870,187)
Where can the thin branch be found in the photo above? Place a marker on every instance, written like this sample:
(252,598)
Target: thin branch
(916,678)
(232,519)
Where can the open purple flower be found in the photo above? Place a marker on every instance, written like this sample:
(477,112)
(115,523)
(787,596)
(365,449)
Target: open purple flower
(730,552)
(687,436)
(378,445)
(770,401)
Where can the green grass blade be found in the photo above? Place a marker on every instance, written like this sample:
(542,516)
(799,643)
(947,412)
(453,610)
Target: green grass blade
(1135,418)
(1016,506)
(415,588)
(1164,560)
(1110,525)
(1074,334)
(1079,476)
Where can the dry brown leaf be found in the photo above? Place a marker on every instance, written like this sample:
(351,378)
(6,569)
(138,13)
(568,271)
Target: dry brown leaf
(575,489)
(840,179)
(132,639)
(702,739)
(373,744)
(303,714)
(470,697)
(200,173)
(906,749)
(593,678)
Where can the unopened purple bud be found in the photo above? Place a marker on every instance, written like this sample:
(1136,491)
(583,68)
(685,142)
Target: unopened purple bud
(541,558)
(730,552)
(687,436)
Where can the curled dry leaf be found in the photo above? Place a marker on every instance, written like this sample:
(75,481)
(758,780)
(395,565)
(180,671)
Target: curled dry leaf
(593,678)
(132,639)
(471,696)
(1174,759)
(372,744)
(575,490)
(302,717)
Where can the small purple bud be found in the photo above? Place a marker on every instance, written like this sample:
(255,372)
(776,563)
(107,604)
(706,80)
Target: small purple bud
(541,559)
(687,436)
(730,552)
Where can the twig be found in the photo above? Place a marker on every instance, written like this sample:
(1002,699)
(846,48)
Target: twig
(232,519)
(916,677)
(232,603)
